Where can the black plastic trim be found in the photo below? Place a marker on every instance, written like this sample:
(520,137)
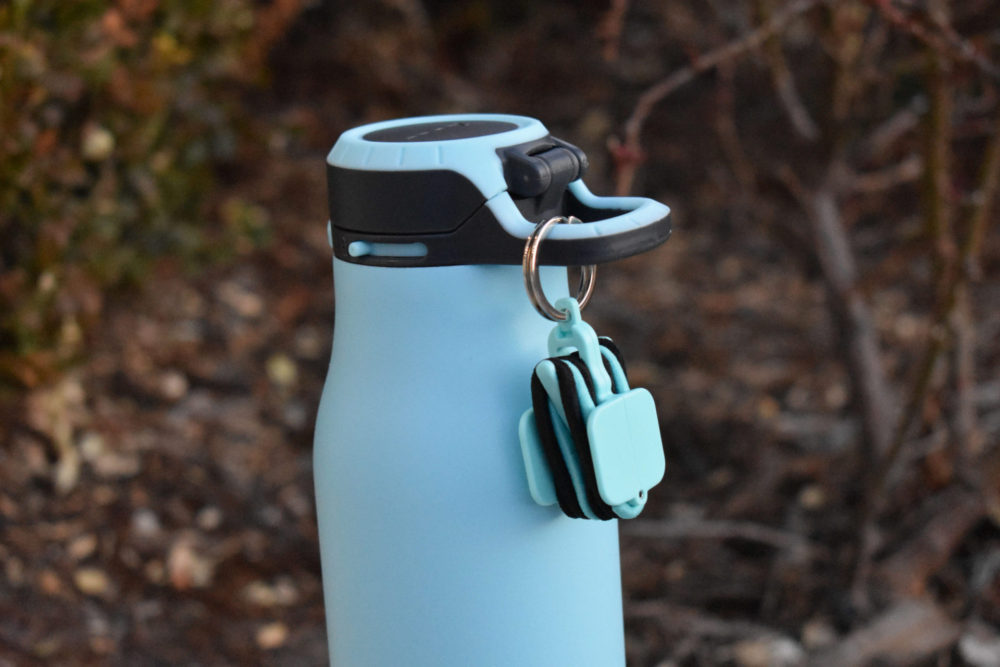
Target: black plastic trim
(400,202)
(482,240)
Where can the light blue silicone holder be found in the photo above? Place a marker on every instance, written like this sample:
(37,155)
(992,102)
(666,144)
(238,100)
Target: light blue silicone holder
(622,428)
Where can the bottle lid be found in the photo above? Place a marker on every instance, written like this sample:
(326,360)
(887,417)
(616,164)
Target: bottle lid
(470,189)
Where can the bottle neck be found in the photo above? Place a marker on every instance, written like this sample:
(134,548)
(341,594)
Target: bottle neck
(411,308)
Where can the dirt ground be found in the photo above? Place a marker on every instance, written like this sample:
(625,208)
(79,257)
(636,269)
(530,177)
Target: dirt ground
(156,504)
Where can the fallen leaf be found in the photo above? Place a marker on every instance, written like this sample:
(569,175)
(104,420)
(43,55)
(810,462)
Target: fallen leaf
(91,581)
(187,567)
(82,546)
(272,635)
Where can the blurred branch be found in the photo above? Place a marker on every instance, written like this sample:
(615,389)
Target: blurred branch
(729,137)
(904,171)
(905,633)
(271,23)
(846,45)
(953,513)
(938,167)
(951,275)
(690,621)
(852,314)
(417,20)
(968,435)
(938,214)
(977,219)
(893,129)
(937,35)
(719,530)
(630,149)
(610,28)
(784,82)
(979,214)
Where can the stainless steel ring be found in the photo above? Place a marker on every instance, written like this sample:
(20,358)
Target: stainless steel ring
(533,283)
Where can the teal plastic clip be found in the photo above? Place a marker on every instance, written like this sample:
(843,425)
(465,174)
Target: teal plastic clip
(573,334)
(622,430)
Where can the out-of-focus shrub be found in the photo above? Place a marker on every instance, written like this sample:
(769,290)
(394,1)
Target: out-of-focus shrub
(112,116)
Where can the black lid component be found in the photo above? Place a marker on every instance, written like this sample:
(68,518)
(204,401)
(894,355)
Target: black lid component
(400,202)
(538,172)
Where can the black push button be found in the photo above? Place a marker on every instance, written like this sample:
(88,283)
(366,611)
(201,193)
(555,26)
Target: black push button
(535,168)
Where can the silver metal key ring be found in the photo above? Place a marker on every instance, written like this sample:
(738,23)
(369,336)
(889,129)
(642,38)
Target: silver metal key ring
(533,283)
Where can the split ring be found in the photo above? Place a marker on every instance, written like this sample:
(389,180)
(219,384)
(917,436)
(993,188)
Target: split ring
(533,283)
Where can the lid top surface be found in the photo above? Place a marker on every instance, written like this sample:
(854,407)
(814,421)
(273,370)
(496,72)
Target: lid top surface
(441,130)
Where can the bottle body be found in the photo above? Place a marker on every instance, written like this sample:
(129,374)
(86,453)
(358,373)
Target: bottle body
(433,552)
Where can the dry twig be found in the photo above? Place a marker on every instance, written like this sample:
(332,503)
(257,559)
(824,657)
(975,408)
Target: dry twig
(719,530)
(937,186)
(968,436)
(632,145)
(937,35)
(851,312)
(905,171)
(968,257)
(609,30)
(892,129)
(784,82)
(955,274)
(904,634)
(694,622)
(967,429)
(954,514)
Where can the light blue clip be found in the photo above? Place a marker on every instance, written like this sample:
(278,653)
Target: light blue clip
(575,334)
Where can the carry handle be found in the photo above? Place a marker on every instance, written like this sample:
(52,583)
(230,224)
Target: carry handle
(612,227)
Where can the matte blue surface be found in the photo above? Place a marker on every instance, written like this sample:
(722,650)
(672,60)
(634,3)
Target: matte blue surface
(433,551)
(625,442)
(540,484)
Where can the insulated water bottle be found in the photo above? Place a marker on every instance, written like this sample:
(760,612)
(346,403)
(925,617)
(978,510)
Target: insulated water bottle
(433,551)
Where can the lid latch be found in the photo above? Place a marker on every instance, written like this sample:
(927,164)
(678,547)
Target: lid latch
(541,170)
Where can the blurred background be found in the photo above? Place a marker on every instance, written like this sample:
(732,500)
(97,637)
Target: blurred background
(821,333)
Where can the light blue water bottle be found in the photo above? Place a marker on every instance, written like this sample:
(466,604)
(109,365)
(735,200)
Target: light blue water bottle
(433,551)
